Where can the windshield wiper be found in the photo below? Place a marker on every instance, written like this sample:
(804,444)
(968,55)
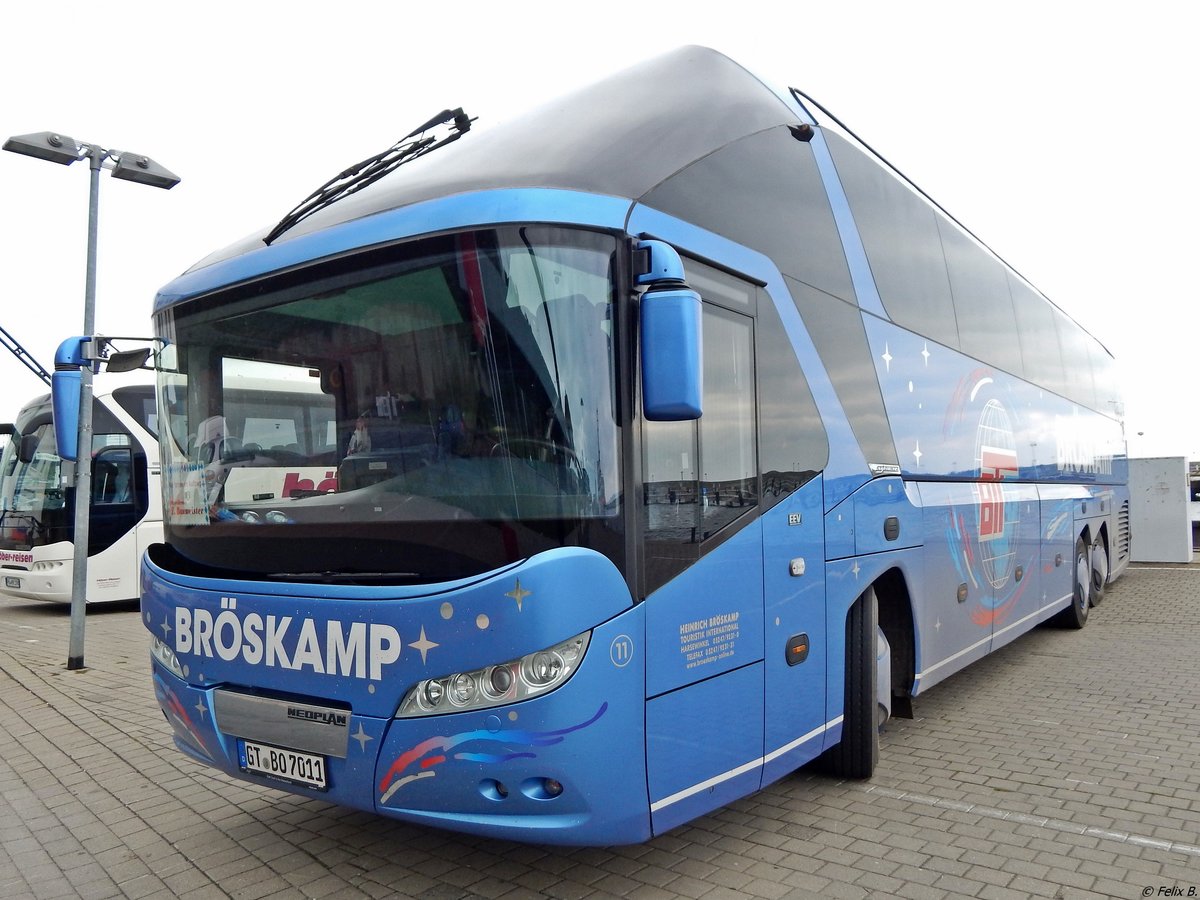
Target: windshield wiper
(371,169)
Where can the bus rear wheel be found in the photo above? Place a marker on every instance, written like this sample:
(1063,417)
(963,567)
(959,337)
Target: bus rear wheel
(1099,570)
(858,752)
(1076,615)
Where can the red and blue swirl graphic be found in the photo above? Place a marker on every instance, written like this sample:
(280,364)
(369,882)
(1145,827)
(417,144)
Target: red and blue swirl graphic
(436,750)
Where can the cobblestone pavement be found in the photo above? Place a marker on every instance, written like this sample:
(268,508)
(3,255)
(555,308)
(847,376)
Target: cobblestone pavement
(1065,765)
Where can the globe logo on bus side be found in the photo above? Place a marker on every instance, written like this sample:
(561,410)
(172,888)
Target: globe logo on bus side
(996,456)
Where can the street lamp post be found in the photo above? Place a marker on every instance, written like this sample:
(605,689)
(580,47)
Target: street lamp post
(59,148)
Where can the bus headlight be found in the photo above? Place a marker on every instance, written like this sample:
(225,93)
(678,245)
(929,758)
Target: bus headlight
(166,656)
(520,679)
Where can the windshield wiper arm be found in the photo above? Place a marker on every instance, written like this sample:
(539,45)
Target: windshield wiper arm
(371,169)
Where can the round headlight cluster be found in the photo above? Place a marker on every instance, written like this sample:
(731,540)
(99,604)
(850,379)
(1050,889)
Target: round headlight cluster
(530,676)
(166,656)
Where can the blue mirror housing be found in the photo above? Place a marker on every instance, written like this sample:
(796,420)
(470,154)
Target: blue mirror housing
(64,389)
(64,393)
(659,264)
(671,355)
(672,367)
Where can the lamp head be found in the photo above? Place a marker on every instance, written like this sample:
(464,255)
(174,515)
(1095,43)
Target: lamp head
(48,145)
(144,170)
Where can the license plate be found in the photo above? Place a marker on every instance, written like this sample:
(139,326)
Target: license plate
(305,769)
(10,581)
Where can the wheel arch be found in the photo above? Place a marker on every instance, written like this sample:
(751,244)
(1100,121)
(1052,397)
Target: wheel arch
(896,621)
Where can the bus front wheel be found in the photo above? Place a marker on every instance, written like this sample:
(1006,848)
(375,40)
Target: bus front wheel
(858,752)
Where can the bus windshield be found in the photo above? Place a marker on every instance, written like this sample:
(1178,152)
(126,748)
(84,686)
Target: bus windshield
(429,412)
(33,506)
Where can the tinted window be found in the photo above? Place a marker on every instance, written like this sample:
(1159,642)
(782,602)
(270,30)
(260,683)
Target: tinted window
(695,487)
(699,477)
(900,235)
(987,327)
(793,444)
(837,330)
(1104,374)
(729,476)
(112,475)
(765,192)
(1040,353)
(139,403)
(1077,360)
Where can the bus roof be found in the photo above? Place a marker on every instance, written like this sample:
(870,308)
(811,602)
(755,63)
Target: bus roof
(662,114)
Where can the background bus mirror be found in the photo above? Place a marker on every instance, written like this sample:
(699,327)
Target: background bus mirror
(332,378)
(64,389)
(27,448)
(7,428)
(671,355)
(127,360)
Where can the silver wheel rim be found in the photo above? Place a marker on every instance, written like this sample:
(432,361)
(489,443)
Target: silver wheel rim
(1083,580)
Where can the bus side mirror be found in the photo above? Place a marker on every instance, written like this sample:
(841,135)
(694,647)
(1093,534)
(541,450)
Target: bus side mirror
(671,340)
(64,393)
(127,360)
(27,448)
(671,356)
(64,389)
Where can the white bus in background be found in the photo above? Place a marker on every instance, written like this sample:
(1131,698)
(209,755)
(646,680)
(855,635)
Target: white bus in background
(37,512)
(37,506)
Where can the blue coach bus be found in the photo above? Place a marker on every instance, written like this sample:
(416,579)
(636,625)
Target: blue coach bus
(643,450)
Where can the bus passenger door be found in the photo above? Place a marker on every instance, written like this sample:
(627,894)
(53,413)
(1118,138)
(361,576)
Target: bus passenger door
(702,574)
(794,631)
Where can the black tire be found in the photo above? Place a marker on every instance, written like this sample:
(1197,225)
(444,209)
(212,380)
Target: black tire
(858,752)
(1076,615)
(1099,557)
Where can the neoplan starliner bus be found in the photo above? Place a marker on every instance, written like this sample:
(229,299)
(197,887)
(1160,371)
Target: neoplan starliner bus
(37,505)
(669,427)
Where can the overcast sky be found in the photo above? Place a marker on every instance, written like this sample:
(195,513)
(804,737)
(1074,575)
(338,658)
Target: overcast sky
(1061,133)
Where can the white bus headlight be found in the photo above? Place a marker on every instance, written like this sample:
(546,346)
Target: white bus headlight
(530,676)
(166,656)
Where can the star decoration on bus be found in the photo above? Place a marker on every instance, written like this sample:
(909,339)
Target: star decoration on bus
(519,594)
(362,737)
(887,357)
(423,645)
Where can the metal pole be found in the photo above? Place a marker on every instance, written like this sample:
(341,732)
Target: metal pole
(83,456)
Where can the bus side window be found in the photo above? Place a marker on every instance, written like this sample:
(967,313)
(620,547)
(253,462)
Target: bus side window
(112,472)
(728,459)
(700,477)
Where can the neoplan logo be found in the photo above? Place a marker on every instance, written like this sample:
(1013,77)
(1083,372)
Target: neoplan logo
(320,716)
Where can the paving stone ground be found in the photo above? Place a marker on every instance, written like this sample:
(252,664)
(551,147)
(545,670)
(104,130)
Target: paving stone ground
(1066,765)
